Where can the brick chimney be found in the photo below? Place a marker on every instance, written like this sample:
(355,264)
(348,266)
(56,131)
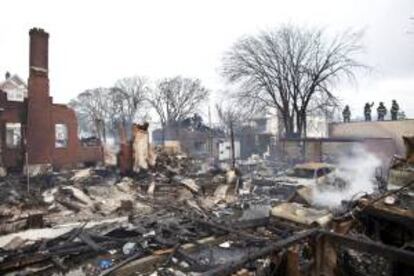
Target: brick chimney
(39,51)
(39,129)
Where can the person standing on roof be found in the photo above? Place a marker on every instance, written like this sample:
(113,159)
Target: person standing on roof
(346,114)
(394,110)
(382,111)
(367,111)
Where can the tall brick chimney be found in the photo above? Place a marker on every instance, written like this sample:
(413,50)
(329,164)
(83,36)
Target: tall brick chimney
(39,51)
(39,129)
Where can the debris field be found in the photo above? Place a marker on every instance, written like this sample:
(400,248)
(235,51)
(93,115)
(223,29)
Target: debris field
(183,217)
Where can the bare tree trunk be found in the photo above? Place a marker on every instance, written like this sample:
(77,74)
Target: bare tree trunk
(179,136)
(304,131)
(286,125)
(299,126)
(233,154)
(103,131)
(305,125)
(98,129)
(163,134)
(289,123)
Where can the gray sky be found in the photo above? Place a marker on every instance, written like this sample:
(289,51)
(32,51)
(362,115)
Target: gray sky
(94,43)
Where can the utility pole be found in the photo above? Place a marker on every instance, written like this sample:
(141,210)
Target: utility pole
(210,138)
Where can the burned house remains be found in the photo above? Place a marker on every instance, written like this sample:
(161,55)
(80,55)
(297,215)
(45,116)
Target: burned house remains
(34,131)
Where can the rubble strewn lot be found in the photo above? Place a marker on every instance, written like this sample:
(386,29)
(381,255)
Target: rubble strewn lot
(183,217)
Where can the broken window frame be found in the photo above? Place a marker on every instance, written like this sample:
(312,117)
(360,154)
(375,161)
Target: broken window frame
(14,141)
(65,139)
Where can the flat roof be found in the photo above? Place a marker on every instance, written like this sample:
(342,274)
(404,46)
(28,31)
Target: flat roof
(371,122)
(334,139)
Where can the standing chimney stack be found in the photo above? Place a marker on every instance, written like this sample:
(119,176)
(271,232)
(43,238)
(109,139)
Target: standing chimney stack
(39,51)
(40,128)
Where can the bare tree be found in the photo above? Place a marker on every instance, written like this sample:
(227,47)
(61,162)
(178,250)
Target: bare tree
(91,107)
(231,117)
(115,107)
(131,94)
(175,99)
(101,109)
(292,69)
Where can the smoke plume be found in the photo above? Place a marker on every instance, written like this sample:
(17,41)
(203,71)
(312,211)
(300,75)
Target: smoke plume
(357,169)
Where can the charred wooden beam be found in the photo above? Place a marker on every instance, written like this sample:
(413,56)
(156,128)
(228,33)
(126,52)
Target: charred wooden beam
(27,258)
(112,270)
(250,223)
(226,229)
(390,216)
(229,268)
(89,241)
(376,248)
(285,225)
(194,264)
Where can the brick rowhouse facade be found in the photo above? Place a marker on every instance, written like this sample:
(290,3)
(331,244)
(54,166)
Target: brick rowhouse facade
(38,117)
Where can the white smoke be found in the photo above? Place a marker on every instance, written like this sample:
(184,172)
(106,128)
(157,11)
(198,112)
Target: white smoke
(357,168)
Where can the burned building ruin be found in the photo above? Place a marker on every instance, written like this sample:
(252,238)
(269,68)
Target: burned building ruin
(37,132)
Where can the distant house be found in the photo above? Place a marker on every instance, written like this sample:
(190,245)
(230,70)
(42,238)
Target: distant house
(257,135)
(191,136)
(15,88)
(262,133)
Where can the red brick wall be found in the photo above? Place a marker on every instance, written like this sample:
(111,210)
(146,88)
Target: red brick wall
(74,153)
(93,154)
(67,156)
(13,112)
(125,158)
(70,156)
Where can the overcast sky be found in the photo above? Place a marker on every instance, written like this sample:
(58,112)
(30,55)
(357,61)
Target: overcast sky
(94,43)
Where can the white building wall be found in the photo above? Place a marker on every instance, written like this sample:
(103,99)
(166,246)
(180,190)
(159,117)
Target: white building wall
(225,150)
(272,125)
(317,126)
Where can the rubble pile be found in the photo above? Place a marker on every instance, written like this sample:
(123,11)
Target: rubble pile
(185,217)
(79,195)
(171,163)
